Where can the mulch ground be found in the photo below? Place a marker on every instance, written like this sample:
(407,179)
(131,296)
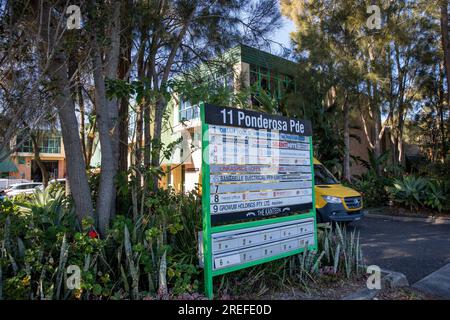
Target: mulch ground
(406,293)
(327,288)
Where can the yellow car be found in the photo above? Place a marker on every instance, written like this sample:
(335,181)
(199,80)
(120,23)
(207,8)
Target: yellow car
(334,202)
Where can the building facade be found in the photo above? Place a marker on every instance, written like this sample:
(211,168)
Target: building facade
(247,67)
(51,154)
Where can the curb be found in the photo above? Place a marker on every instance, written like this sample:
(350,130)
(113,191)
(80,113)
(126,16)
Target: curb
(390,279)
(430,219)
(436,283)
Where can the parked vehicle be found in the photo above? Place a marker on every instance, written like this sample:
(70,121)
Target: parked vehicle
(334,202)
(61,182)
(21,188)
(7,183)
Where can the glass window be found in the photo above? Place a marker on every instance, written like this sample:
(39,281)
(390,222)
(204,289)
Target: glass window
(323,176)
(26,146)
(188,111)
(49,144)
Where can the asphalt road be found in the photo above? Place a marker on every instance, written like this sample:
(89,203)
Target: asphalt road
(414,248)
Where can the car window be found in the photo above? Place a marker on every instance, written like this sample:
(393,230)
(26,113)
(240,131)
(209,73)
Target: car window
(323,176)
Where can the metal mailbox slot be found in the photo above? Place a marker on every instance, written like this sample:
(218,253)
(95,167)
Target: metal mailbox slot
(289,245)
(289,231)
(251,255)
(227,261)
(224,244)
(251,239)
(306,228)
(303,242)
(271,250)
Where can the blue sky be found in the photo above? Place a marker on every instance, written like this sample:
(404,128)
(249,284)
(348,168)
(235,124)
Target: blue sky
(282,35)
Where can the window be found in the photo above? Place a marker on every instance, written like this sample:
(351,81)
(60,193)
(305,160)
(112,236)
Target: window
(188,111)
(26,146)
(323,176)
(275,84)
(49,144)
(21,160)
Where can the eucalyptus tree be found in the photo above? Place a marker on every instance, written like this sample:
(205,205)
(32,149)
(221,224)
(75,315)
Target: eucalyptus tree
(327,44)
(21,83)
(371,69)
(176,35)
(146,42)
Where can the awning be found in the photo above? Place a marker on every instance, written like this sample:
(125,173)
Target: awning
(8,166)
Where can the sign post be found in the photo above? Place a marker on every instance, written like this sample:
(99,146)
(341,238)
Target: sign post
(257,189)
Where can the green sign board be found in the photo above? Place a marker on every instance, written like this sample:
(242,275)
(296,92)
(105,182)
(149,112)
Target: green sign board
(257,189)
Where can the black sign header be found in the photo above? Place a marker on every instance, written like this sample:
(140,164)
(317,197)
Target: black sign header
(225,116)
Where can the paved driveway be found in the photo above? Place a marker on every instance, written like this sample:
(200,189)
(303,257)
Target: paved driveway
(413,248)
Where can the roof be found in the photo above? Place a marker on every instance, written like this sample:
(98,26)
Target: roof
(248,55)
(265,59)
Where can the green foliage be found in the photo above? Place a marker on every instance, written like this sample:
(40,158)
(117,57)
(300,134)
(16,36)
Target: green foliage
(409,191)
(372,187)
(339,255)
(150,255)
(40,238)
(415,192)
(437,195)
(342,250)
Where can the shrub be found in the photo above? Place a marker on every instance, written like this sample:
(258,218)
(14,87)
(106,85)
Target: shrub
(40,237)
(409,191)
(154,255)
(372,188)
(437,195)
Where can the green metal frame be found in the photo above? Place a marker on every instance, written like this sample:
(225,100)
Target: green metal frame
(208,230)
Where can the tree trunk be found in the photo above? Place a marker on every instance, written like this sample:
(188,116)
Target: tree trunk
(400,148)
(58,72)
(445,44)
(37,150)
(157,130)
(124,74)
(82,120)
(441,111)
(107,115)
(346,166)
(76,174)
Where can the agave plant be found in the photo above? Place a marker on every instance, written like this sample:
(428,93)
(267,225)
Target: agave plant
(435,195)
(47,206)
(410,191)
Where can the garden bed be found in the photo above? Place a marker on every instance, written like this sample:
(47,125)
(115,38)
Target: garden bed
(405,293)
(330,287)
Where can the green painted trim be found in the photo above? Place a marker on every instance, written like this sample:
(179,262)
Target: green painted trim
(243,225)
(257,262)
(207,247)
(313,210)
